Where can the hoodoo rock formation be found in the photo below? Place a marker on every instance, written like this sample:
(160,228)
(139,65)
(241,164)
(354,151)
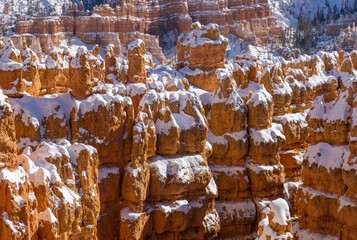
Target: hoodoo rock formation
(200,53)
(121,22)
(98,147)
(50,191)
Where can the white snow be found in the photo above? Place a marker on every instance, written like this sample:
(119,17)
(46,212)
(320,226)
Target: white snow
(135,44)
(260,97)
(164,127)
(76,148)
(280,208)
(47,216)
(296,118)
(16,177)
(328,156)
(230,171)
(211,220)
(194,38)
(127,215)
(345,202)
(181,169)
(34,110)
(4,104)
(341,110)
(170,207)
(267,135)
(317,110)
(15,228)
(305,234)
(258,168)
(211,188)
(104,172)
(221,140)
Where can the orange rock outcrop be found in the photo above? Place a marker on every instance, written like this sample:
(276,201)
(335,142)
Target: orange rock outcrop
(51,192)
(263,150)
(326,200)
(200,53)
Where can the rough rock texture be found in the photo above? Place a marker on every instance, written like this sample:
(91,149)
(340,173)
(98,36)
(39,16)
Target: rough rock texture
(327,198)
(11,69)
(121,22)
(200,53)
(51,192)
(136,61)
(113,149)
(229,139)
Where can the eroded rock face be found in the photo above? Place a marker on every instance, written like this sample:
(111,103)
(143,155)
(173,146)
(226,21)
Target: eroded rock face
(154,158)
(51,192)
(200,53)
(83,80)
(176,193)
(7,130)
(327,194)
(56,75)
(136,58)
(122,22)
(11,69)
(64,177)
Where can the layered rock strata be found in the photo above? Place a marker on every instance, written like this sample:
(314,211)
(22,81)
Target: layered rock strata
(133,152)
(327,200)
(200,53)
(51,192)
(121,22)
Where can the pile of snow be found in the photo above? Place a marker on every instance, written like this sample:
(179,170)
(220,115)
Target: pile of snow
(341,110)
(306,234)
(328,156)
(135,44)
(105,172)
(268,135)
(261,96)
(222,140)
(280,208)
(47,216)
(8,52)
(180,169)
(16,177)
(281,216)
(127,215)
(196,38)
(292,118)
(164,127)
